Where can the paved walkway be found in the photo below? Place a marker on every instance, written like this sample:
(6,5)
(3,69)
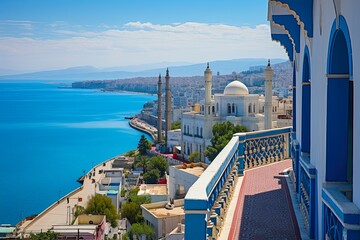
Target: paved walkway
(60,212)
(264,209)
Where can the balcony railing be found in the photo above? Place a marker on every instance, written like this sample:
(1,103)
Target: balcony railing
(341,216)
(207,200)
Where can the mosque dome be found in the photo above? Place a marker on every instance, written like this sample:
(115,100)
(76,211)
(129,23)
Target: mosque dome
(236,88)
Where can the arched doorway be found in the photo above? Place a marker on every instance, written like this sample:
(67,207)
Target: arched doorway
(306,104)
(340,98)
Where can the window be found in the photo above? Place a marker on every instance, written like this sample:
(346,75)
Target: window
(229,108)
(254,108)
(249,108)
(233,108)
(213,109)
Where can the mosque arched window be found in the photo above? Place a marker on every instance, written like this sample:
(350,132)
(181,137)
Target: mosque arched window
(233,108)
(229,108)
(201,132)
(249,108)
(254,108)
(197,131)
(213,109)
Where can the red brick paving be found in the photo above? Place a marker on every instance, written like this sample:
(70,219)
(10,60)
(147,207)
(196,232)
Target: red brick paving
(264,209)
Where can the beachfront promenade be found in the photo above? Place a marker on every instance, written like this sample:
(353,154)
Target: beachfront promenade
(143,127)
(61,212)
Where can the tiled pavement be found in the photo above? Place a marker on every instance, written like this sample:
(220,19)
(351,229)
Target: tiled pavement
(264,209)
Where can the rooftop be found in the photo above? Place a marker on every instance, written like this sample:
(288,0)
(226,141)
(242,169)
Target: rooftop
(197,170)
(158,209)
(153,189)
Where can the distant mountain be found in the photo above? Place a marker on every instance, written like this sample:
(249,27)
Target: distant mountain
(91,73)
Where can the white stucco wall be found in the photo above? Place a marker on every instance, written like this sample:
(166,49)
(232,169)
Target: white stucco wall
(324,16)
(179,177)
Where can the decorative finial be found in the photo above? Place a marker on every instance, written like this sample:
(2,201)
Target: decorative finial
(208,65)
(268,62)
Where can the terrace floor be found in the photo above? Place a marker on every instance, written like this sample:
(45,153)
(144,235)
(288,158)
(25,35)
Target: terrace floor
(263,208)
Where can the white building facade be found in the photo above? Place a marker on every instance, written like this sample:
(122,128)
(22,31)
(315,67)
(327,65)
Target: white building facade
(322,39)
(235,105)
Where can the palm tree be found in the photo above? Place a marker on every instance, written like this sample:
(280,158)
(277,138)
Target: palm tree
(142,161)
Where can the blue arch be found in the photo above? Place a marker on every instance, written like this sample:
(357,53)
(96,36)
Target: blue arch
(290,24)
(303,9)
(339,127)
(306,65)
(306,103)
(342,28)
(286,42)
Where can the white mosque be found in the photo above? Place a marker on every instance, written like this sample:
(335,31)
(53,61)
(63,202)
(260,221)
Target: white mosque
(235,105)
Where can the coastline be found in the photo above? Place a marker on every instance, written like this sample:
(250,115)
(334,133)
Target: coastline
(120,91)
(142,126)
(77,197)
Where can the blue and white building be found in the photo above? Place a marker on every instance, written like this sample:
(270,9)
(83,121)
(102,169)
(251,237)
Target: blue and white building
(322,39)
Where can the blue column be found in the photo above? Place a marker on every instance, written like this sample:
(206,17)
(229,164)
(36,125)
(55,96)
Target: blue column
(313,204)
(294,98)
(241,157)
(195,226)
(337,130)
(297,164)
(305,117)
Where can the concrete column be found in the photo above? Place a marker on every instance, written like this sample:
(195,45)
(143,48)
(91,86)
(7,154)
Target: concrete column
(208,87)
(168,116)
(159,114)
(268,96)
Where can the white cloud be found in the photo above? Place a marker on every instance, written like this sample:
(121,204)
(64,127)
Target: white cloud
(140,43)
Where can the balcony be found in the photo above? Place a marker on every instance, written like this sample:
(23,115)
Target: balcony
(207,201)
(341,215)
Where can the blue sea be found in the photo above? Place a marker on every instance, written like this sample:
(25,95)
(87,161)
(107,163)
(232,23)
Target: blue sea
(50,135)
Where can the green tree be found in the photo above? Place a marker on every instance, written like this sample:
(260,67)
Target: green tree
(152,176)
(133,197)
(176,125)
(194,157)
(141,161)
(222,134)
(78,211)
(49,235)
(102,205)
(139,229)
(159,163)
(131,211)
(143,145)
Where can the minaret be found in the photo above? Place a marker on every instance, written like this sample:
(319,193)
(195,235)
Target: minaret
(268,96)
(167,104)
(208,86)
(159,126)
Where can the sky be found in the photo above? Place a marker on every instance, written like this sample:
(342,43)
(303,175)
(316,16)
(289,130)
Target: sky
(54,34)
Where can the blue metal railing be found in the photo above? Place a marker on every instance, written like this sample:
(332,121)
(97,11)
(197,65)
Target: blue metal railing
(244,151)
